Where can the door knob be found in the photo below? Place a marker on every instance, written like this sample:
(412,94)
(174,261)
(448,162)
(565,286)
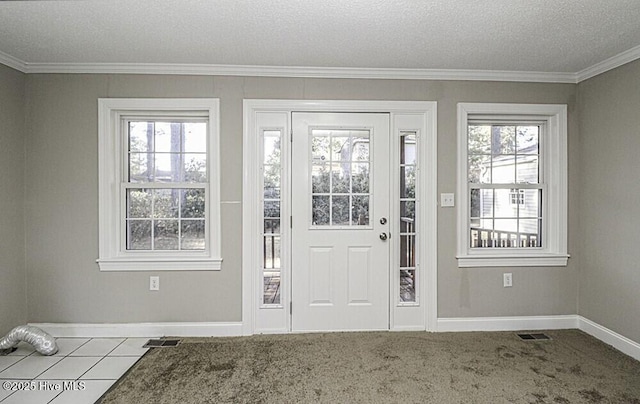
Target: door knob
(383,236)
(383,220)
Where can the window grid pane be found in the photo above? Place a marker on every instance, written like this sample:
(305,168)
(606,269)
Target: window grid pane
(168,152)
(340,178)
(171,152)
(500,158)
(164,219)
(408,229)
(272,214)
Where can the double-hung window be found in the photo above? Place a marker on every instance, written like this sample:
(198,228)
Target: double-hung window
(512,182)
(159,182)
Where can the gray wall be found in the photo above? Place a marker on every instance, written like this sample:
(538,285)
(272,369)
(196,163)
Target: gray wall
(65,284)
(609,199)
(13,299)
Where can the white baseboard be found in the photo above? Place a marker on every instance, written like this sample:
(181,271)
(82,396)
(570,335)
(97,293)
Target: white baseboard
(612,338)
(142,329)
(507,323)
(215,329)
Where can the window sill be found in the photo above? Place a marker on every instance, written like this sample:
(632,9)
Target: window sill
(127,264)
(538,260)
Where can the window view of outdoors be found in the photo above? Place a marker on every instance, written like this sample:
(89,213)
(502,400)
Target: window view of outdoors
(408,164)
(505,185)
(165,196)
(340,177)
(271,236)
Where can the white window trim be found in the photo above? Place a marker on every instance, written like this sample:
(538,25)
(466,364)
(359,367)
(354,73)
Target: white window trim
(554,151)
(110,160)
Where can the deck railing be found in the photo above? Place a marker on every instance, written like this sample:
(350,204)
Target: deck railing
(490,238)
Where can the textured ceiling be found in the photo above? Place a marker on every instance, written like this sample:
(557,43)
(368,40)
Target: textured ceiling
(511,35)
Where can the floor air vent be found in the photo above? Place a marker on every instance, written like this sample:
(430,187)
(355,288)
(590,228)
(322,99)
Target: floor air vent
(533,337)
(161,343)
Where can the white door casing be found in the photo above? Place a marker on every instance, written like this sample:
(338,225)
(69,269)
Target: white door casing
(340,208)
(406,117)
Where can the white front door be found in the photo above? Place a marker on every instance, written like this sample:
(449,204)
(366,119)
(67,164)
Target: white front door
(340,221)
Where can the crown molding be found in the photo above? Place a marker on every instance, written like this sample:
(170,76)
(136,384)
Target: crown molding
(291,71)
(609,64)
(322,72)
(13,62)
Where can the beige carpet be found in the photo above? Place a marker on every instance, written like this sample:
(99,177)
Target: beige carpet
(407,367)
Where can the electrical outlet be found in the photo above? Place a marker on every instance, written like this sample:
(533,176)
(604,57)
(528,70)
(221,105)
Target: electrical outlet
(507,280)
(154,283)
(447,200)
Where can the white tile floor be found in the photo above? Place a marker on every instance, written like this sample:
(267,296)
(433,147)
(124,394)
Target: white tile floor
(81,371)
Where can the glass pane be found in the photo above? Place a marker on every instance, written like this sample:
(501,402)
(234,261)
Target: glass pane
(195,137)
(165,235)
(407,286)
(527,139)
(195,167)
(140,168)
(530,234)
(193,202)
(504,169)
(165,203)
(479,169)
(482,236)
(360,148)
(407,251)
(320,148)
(340,178)
(408,149)
(320,210)
(408,209)
(340,210)
(271,251)
(360,178)
(529,227)
(167,167)
(320,178)
(192,235)
(506,225)
(503,139)
(481,203)
(527,169)
(504,203)
(138,234)
(140,136)
(272,209)
(340,148)
(407,182)
(271,226)
(272,182)
(479,139)
(360,210)
(167,137)
(138,203)
(531,206)
(271,150)
(271,291)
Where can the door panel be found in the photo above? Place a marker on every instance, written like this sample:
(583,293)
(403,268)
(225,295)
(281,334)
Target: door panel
(340,193)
